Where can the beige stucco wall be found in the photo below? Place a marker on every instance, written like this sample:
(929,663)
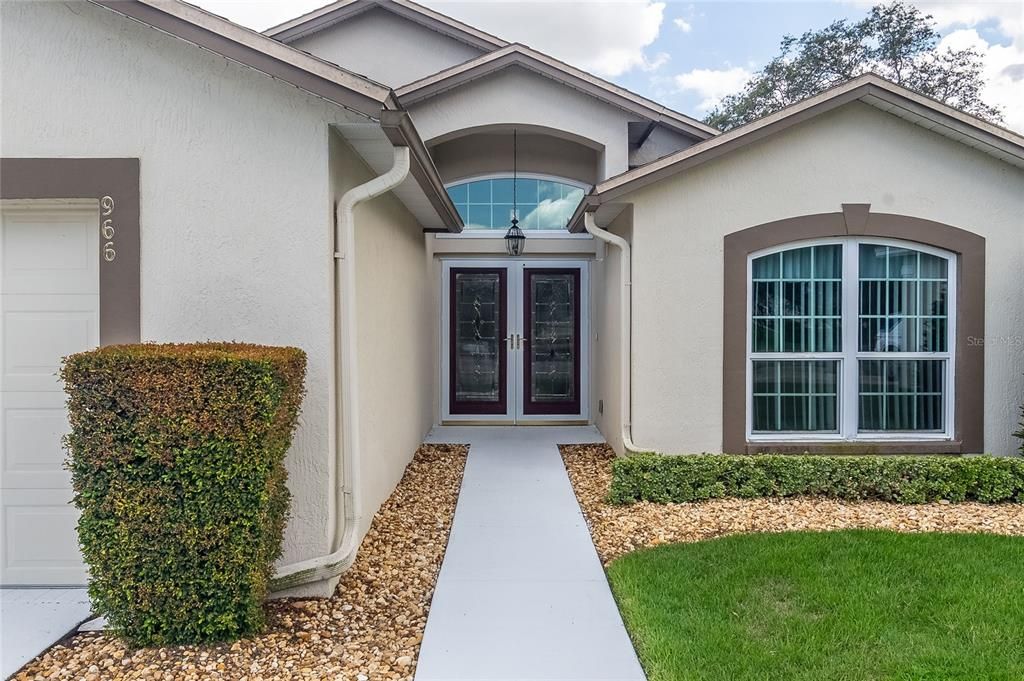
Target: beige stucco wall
(487,153)
(396,361)
(236,217)
(491,244)
(856,154)
(386,48)
(606,297)
(661,142)
(515,96)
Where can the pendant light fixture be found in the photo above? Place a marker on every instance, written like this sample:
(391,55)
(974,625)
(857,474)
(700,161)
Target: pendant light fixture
(514,237)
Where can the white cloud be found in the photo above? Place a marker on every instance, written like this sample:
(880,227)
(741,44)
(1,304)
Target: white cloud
(259,15)
(1004,72)
(553,211)
(712,84)
(682,24)
(1007,14)
(1004,64)
(657,62)
(607,38)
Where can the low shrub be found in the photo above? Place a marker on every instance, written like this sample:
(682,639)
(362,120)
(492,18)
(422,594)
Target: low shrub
(902,479)
(177,461)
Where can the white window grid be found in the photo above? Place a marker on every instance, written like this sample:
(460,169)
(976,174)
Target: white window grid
(525,201)
(847,389)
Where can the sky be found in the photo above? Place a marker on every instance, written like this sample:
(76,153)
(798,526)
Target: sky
(688,55)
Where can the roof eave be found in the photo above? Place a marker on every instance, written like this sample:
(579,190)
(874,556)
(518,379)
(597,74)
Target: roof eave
(325,80)
(252,49)
(869,85)
(400,131)
(316,20)
(525,57)
(589,204)
(337,12)
(989,134)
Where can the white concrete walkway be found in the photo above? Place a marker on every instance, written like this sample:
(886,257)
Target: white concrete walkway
(521,593)
(31,620)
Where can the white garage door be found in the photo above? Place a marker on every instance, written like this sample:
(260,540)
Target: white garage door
(49,308)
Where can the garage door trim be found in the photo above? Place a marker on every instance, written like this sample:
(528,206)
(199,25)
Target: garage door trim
(114,182)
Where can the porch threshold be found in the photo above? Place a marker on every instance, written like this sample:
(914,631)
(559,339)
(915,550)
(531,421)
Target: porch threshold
(477,423)
(521,593)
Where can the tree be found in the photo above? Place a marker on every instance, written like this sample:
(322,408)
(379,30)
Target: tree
(895,40)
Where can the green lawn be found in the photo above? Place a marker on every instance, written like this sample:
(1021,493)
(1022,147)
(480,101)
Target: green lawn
(837,606)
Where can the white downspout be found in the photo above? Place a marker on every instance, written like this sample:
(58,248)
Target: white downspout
(347,502)
(625,326)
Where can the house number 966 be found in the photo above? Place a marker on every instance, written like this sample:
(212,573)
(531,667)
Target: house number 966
(107,228)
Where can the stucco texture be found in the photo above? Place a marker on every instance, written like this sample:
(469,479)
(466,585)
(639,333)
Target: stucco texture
(396,350)
(236,215)
(517,96)
(491,153)
(855,154)
(386,47)
(607,319)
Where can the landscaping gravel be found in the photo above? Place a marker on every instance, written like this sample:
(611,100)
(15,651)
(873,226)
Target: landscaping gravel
(617,530)
(370,629)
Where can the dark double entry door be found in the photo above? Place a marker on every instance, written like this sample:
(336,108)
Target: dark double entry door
(515,347)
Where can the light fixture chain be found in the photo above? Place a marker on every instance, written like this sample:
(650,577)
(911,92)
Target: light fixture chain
(514,238)
(515,175)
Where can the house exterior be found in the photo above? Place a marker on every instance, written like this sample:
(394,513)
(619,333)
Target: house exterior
(841,276)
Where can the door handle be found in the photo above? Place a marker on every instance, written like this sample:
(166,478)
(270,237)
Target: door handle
(515,341)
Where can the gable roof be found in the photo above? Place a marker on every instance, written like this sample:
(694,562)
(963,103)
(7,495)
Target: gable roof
(516,54)
(255,50)
(336,12)
(869,88)
(318,77)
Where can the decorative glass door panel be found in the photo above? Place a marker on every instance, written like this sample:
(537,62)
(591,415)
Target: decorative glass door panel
(551,341)
(515,341)
(477,341)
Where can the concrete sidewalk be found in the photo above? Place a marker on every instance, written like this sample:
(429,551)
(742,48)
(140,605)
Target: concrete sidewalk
(31,620)
(521,593)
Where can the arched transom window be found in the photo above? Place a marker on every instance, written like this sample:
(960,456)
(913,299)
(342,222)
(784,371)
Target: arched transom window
(543,203)
(850,339)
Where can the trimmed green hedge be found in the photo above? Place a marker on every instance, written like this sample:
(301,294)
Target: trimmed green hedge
(902,479)
(177,462)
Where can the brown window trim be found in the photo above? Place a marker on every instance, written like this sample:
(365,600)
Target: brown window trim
(858,220)
(93,178)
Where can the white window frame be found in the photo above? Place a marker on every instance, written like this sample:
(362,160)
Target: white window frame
(849,358)
(563,233)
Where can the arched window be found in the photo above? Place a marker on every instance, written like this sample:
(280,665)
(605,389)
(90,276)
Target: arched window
(850,339)
(543,203)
